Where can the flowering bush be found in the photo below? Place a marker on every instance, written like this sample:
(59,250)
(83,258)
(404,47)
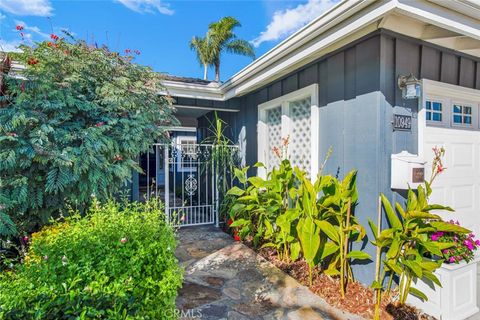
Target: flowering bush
(464,245)
(73,125)
(116,263)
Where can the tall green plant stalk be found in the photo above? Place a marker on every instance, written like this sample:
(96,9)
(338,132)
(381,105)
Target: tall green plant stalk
(377,286)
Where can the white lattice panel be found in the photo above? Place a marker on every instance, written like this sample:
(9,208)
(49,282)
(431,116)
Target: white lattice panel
(300,112)
(274,124)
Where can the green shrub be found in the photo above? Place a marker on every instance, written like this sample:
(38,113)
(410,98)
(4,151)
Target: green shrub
(74,129)
(114,263)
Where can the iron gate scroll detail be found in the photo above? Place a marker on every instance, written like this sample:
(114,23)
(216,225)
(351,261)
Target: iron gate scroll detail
(185,178)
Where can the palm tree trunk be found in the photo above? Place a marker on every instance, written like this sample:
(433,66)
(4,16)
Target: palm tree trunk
(217,71)
(205,70)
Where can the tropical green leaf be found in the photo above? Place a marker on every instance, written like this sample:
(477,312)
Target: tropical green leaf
(418,293)
(236,191)
(448,227)
(391,215)
(359,255)
(329,230)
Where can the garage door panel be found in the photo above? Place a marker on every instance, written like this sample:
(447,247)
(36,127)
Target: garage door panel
(459,185)
(463,156)
(463,197)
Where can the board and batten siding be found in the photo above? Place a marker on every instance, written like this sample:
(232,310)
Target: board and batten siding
(358,95)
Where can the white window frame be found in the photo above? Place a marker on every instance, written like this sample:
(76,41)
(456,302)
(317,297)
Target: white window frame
(181,167)
(474,125)
(444,111)
(284,101)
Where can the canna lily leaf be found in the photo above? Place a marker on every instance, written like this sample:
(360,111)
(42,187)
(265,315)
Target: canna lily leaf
(294,250)
(400,210)
(328,249)
(394,248)
(241,175)
(422,197)
(373,227)
(236,191)
(418,293)
(437,207)
(414,266)
(412,202)
(257,182)
(359,255)
(393,266)
(391,215)
(448,227)
(329,230)
(422,215)
(430,276)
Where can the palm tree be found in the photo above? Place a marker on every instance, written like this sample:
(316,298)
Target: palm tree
(204,53)
(220,37)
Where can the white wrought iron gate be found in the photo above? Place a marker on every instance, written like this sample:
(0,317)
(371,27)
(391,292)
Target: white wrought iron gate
(185,177)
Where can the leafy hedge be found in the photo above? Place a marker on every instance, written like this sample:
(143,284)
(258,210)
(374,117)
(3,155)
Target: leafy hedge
(75,128)
(115,263)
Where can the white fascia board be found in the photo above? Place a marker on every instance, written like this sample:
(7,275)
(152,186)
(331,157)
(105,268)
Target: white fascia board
(179,106)
(440,16)
(188,90)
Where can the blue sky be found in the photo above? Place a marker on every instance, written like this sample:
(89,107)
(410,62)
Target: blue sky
(160,29)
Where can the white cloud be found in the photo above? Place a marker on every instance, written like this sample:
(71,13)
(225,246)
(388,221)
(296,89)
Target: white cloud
(286,22)
(9,46)
(148,6)
(33,29)
(42,8)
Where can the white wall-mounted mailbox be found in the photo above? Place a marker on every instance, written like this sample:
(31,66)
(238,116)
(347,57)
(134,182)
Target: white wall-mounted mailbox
(407,170)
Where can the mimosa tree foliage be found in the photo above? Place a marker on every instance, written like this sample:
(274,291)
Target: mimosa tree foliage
(72,124)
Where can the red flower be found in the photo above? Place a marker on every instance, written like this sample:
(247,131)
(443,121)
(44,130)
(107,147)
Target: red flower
(236,237)
(51,44)
(440,169)
(32,61)
(128,51)
(277,152)
(25,238)
(99,124)
(19,27)
(230,221)
(118,157)
(54,37)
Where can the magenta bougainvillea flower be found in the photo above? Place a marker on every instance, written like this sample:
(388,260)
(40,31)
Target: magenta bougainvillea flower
(19,27)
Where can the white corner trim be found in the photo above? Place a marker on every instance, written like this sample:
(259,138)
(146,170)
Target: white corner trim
(283,101)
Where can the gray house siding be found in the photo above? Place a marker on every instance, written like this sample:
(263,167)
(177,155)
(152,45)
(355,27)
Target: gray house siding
(358,95)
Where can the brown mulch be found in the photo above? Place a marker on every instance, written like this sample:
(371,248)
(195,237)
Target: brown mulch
(358,298)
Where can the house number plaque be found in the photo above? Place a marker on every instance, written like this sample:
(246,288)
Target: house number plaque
(402,122)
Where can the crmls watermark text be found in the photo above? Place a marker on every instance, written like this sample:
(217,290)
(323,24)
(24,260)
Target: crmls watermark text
(183,314)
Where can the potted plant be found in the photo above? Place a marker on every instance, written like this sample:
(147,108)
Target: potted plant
(457,297)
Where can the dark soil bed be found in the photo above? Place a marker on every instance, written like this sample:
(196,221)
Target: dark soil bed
(358,299)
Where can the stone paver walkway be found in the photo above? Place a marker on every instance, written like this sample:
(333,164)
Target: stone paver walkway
(227,280)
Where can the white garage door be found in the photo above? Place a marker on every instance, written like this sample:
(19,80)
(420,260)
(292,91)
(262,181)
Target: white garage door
(454,124)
